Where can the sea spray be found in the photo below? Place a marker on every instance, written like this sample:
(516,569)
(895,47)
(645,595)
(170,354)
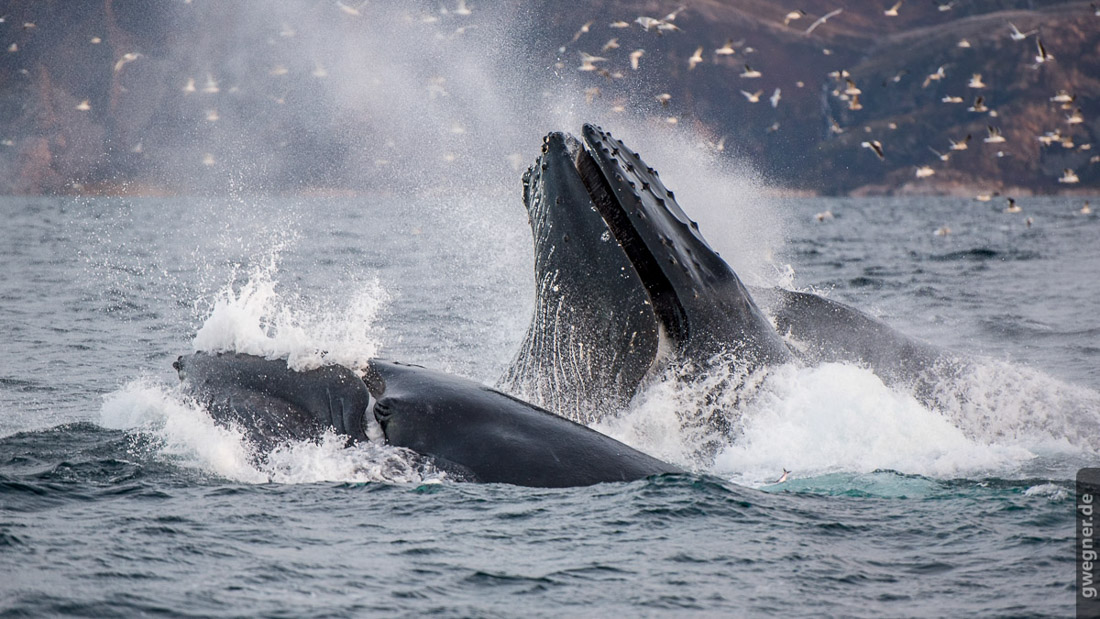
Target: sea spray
(255,318)
(182,432)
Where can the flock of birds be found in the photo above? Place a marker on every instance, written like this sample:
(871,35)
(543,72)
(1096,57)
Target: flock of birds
(844,88)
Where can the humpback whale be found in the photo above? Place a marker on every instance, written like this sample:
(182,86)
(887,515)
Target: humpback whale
(624,280)
(621,274)
(471,431)
(624,284)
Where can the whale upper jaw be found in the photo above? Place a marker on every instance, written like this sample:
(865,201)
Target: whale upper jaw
(696,298)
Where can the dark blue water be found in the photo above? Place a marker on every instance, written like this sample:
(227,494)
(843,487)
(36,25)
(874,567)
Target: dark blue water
(117,496)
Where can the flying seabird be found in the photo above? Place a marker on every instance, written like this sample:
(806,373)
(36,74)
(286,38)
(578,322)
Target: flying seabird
(963,43)
(979,105)
(951,99)
(961,144)
(1012,206)
(696,58)
(976,81)
(933,77)
(783,477)
(126,58)
(1075,118)
(1041,55)
(750,73)
(83,106)
(753,97)
(925,171)
(635,56)
(893,11)
(824,18)
(663,98)
(875,146)
(775,98)
(612,44)
(793,16)
(995,136)
(725,50)
(588,61)
(944,157)
(1063,97)
(1017,35)
(583,30)
(1069,177)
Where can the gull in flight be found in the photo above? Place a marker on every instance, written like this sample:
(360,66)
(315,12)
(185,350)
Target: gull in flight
(824,18)
(588,61)
(83,106)
(696,58)
(792,16)
(892,11)
(635,56)
(775,98)
(934,77)
(961,144)
(583,30)
(725,50)
(1017,35)
(944,157)
(1069,177)
(976,81)
(753,97)
(1041,55)
(925,171)
(750,73)
(995,136)
(875,146)
(350,10)
(126,58)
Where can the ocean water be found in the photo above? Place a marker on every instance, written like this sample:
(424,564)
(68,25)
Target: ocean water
(118,496)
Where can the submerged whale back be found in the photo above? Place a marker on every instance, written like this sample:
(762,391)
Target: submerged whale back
(493,437)
(272,403)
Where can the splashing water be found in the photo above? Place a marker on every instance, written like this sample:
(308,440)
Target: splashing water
(1004,421)
(183,433)
(255,319)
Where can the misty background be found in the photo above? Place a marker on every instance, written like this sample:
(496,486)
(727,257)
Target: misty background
(320,96)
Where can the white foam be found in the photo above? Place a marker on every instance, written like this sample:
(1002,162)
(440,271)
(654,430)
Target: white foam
(184,434)
(255,319)
(816,421)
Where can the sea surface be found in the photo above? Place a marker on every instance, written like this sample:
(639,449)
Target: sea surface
(118,496)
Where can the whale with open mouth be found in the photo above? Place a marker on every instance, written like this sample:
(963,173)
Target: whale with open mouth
(625,283)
